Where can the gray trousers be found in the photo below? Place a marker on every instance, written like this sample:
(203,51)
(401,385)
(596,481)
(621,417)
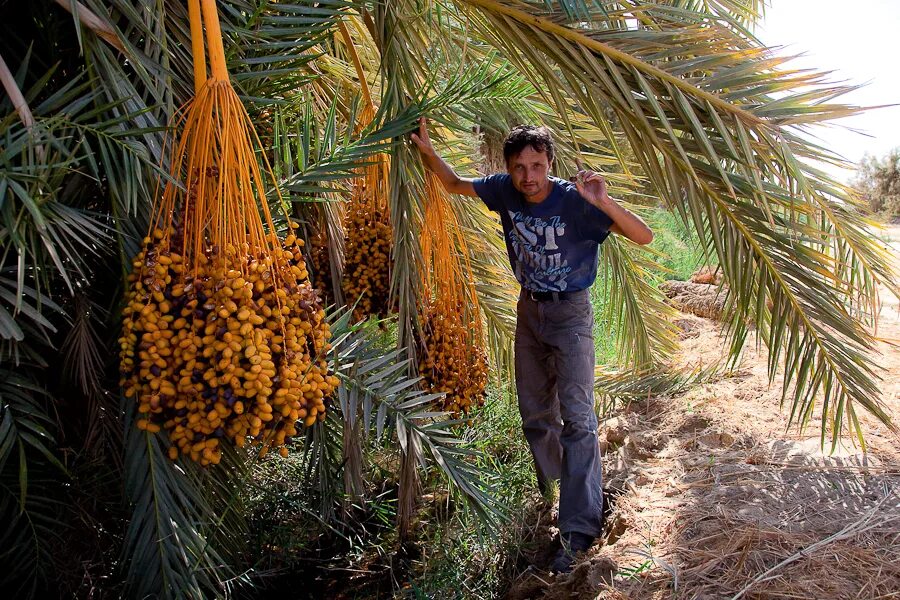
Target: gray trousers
(555,384)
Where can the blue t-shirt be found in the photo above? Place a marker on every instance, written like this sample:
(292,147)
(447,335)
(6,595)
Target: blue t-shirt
(553,244)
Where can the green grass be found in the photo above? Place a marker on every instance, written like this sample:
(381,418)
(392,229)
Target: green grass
(605,334)
(679,247)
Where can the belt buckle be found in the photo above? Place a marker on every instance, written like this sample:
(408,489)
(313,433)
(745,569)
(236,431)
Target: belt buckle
(533,296)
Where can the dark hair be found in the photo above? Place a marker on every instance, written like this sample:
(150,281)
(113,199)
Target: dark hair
(538,138)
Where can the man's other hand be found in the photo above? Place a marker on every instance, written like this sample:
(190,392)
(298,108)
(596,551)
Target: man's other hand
(592,187)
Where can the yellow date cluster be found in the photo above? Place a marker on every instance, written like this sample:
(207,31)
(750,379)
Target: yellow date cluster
(321,264)
(451,363)
(367,260)
(228,350)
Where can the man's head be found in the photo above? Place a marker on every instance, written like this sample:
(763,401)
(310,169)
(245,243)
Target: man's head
(528,151)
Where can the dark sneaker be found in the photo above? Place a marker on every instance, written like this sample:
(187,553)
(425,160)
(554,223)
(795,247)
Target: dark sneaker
(572,543)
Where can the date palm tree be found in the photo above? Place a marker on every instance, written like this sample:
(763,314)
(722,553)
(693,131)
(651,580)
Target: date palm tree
(675,99)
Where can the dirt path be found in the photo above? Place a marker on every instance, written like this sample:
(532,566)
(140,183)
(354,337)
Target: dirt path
(717,500)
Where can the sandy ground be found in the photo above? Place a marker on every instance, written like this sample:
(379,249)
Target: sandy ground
(712,497)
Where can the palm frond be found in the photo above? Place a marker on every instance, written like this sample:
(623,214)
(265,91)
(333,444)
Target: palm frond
(741,16)
(31,534)
(178,543)
(48,218)
(25,426)
(272,45)
(497,289)
(327,459)
(378,398)
(698,107)
(636,310)
(20,302)
(316,157)
(29,504)
(83,349)
(615,387)
(405,186)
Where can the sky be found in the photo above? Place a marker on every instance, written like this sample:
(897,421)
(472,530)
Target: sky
(860,42)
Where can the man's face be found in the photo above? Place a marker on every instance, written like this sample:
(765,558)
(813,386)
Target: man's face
(529,171)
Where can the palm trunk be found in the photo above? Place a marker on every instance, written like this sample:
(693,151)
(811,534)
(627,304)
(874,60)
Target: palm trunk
(409,483)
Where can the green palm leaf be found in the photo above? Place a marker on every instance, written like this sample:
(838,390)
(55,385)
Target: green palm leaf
(378,399)
(32,532)
(28,465)
(25,427)
(180,541)
(636,309)
(732,165)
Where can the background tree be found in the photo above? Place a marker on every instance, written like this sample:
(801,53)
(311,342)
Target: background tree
(879,181)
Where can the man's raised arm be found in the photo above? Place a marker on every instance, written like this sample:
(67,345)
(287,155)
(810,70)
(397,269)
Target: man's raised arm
(453,183)
(592,187)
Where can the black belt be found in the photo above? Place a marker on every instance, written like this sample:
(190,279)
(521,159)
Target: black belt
(549,296)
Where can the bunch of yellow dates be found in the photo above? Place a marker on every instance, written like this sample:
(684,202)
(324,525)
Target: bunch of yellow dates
(450,363)
(367,260)
(317,251)
(225,350)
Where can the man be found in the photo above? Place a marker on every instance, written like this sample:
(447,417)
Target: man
(553,230)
